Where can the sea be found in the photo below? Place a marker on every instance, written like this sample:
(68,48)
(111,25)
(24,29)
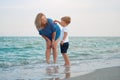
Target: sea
(23,58)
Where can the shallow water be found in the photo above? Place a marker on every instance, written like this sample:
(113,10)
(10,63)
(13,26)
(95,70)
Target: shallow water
(23,58)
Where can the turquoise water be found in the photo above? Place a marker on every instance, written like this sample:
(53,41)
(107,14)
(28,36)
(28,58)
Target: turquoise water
(21,57)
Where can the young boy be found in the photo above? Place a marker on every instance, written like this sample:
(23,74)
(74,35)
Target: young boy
(64,44)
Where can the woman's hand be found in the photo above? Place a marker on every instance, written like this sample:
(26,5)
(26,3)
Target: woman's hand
(49,42)
(53,41)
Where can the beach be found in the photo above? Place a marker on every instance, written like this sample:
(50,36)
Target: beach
(111,73)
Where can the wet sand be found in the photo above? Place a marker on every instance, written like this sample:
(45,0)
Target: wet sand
(111,73)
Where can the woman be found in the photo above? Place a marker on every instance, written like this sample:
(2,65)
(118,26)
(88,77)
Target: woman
(50,31)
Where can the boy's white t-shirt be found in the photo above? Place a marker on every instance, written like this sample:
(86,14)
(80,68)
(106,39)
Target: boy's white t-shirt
(64,29)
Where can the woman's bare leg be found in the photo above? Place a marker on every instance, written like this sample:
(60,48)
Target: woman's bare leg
(48,51)
(55,52)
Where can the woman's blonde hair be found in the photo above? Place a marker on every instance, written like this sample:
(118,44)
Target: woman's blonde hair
(37,21)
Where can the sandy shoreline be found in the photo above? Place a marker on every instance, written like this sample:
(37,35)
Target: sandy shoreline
(111,73)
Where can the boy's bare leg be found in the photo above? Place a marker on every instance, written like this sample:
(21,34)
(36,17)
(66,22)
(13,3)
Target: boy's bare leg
(66,59)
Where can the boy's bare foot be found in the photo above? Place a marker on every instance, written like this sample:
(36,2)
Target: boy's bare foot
(67,65)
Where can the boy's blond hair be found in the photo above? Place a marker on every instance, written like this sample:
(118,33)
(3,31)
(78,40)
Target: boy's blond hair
(66,19)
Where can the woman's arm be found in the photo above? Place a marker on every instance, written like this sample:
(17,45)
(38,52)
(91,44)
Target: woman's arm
(53,37)
(45,38)
(53,29)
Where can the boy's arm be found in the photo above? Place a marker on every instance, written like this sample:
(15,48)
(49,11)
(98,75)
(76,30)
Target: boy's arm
(56,21)
(64,37)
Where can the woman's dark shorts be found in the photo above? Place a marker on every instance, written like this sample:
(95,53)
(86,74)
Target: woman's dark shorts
(64,47)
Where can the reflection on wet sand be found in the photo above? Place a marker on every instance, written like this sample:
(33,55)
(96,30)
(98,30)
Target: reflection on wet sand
(67,73)
(53,72)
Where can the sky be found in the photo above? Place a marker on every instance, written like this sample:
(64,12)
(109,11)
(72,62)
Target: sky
(88,17)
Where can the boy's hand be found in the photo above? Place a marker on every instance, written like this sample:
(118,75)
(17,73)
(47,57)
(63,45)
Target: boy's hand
(61,42)
(55,21)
